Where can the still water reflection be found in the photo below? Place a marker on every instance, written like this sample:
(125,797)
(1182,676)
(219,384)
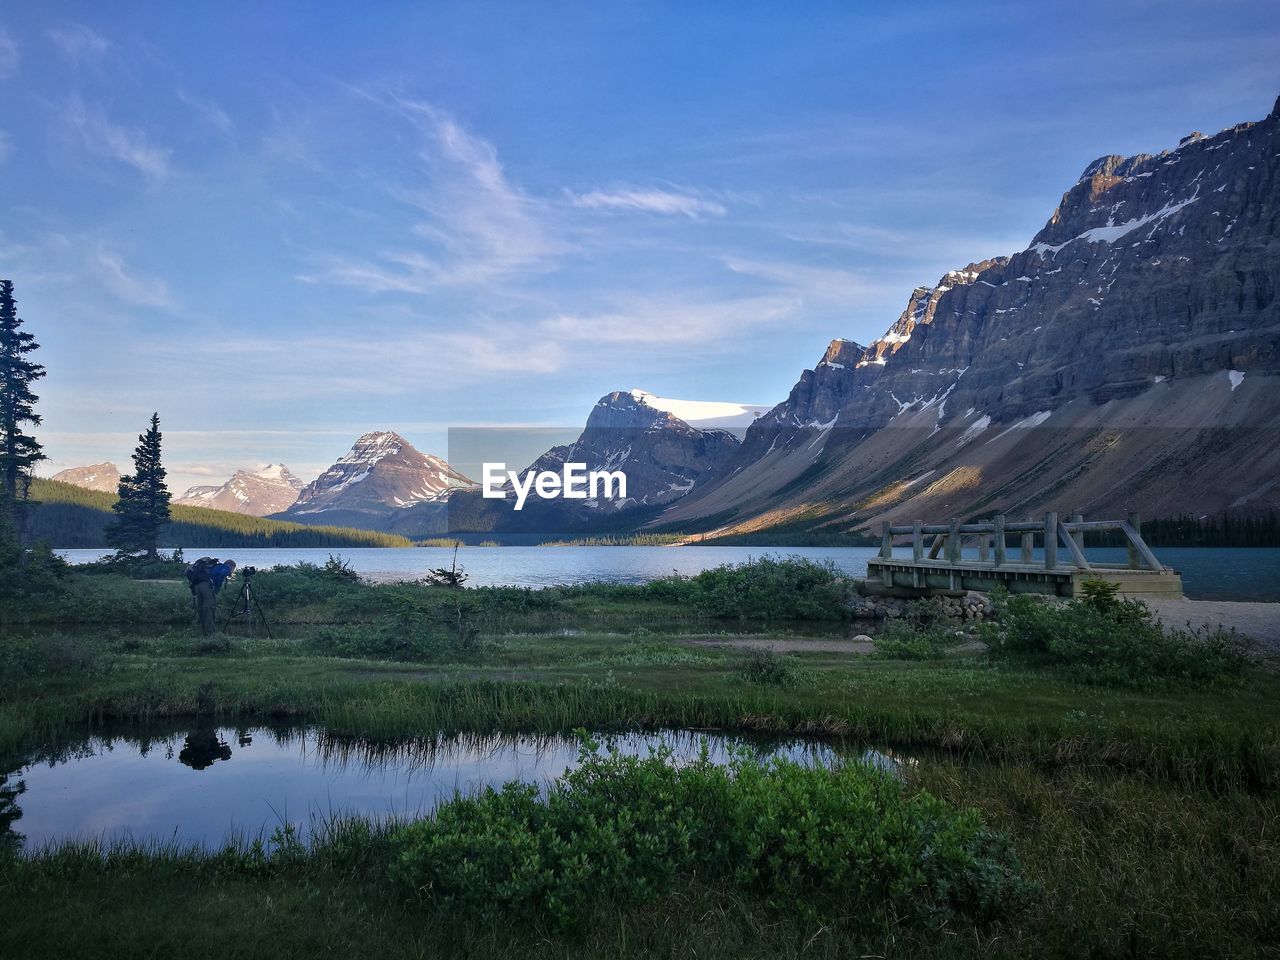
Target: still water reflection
(208,784)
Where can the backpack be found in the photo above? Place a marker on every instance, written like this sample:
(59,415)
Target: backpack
(198,573)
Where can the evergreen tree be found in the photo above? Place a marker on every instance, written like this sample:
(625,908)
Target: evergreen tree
(18,452)
(143,505)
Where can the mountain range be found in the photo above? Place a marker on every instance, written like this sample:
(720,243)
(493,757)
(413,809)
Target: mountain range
(1126,358)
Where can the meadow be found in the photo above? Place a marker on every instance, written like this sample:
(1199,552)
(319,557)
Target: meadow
(1065,797)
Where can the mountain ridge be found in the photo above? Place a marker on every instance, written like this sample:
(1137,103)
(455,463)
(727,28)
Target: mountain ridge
(1145,306)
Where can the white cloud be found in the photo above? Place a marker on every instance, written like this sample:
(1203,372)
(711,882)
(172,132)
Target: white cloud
(814,284)
(389,363)
(78,43)
(131,288)
(477,227)
(108,139)
(9,58)
(671,322)
(648,201)
(213,114)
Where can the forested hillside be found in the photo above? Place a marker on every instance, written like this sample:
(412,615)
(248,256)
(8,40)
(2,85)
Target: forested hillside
(68,516)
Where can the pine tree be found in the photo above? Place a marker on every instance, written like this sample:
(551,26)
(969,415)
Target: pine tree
(143,505)
(18,452)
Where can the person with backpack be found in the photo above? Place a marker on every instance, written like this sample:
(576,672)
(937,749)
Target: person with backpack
(205,578)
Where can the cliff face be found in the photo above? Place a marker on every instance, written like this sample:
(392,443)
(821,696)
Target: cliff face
(1145,311)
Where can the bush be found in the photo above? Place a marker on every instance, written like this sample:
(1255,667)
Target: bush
(25,571)
(767,668)
(768,588)
(824,843)
(900,640)
(1102,638)
(376,643)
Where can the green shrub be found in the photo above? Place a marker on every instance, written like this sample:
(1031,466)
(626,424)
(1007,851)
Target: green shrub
(385,642)
(1104,639)
(899,640)
(825,843)
(776,588)
(767,668)
(137,567)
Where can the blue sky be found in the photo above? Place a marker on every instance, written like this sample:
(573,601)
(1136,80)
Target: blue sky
(282,225)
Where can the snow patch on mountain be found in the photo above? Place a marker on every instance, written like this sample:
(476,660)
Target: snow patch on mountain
(704,413)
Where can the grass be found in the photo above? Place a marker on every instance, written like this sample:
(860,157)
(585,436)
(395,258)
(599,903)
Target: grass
(1145,815)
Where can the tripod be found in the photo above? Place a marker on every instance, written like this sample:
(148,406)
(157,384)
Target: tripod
(248,608)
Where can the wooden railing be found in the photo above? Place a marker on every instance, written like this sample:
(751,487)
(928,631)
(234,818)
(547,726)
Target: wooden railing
(993,542)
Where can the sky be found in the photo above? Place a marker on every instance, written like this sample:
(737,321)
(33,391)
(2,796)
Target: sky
(284,225)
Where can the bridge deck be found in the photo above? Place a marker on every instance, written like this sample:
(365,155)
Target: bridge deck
(905,577)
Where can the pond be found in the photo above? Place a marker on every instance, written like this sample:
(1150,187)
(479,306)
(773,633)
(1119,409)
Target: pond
(205,785)
(1208,573)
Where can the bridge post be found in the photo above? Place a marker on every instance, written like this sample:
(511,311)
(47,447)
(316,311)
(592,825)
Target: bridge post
(1000,541)
(886,541)
(1027,542)
(983,548)
(917,540)
(1135,521)
(953,541)
(1078,536)
(1050,540)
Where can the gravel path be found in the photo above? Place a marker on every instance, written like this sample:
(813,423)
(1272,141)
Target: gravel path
(1258,620)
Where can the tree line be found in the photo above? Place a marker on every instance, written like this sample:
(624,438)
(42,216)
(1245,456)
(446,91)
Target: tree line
(138,519)
(69,516)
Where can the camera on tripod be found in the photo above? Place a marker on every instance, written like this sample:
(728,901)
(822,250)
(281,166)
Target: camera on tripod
(247,607)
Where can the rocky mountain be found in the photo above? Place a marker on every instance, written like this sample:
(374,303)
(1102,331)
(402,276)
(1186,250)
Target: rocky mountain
(97,476)
(382,483)
(258,493)
(663,456)
(1128,357)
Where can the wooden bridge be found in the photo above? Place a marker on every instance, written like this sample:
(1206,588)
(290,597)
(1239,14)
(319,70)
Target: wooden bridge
(941,567)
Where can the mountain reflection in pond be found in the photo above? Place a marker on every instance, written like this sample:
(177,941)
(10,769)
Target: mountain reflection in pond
(206,785)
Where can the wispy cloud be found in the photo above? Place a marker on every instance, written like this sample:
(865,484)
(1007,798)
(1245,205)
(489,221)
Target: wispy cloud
(78,43)
(9,58)
(813,283)
(129,287)
(213,114)
(101,136)
(477,226)
(670,322)
(648,201)
(388,364)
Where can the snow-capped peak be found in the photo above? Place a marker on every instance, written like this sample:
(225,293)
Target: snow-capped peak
(703,413)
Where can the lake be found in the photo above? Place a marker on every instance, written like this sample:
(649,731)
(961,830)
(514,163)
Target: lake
(1208,573)
(205,785)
